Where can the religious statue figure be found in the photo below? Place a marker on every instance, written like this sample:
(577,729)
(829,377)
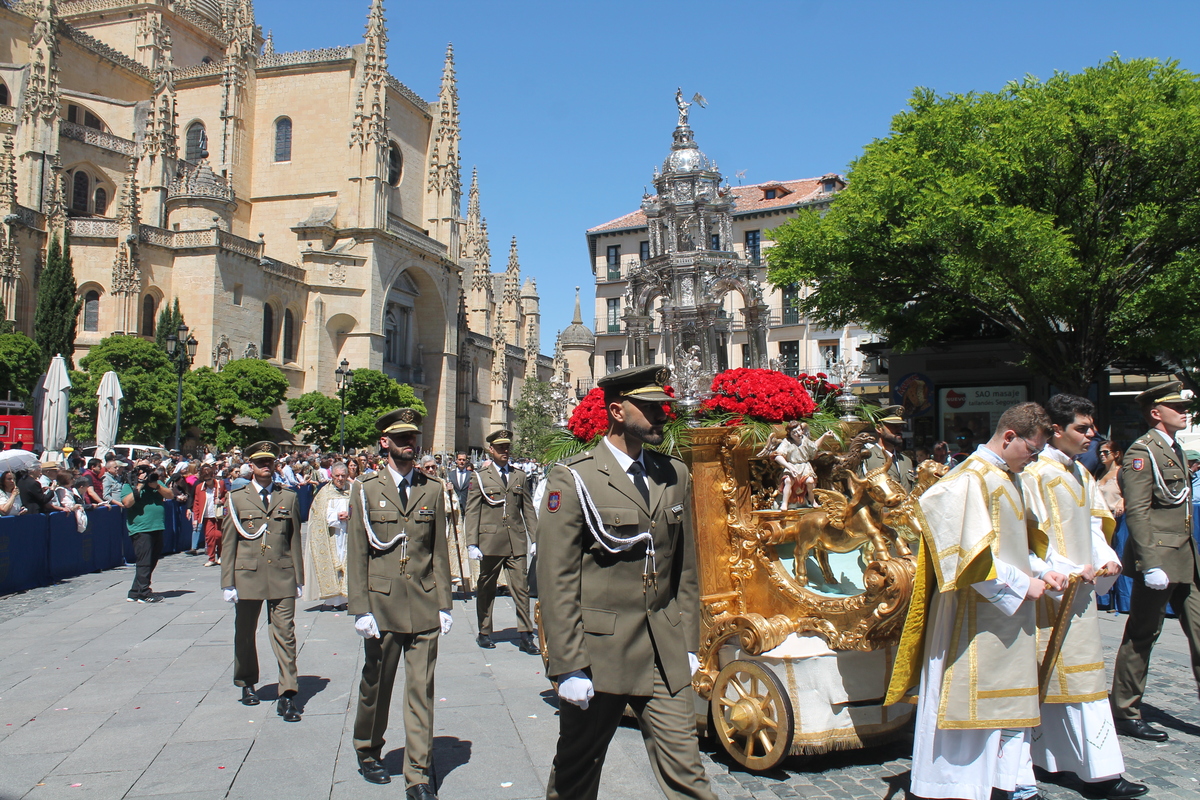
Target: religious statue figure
(794,454)
(683,107)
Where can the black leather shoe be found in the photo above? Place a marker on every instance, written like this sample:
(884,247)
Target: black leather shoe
(527,645)
(287,709)
(372,771)
(1115,789)
(249,698)
(484,641)
(1140,729)
(420,791)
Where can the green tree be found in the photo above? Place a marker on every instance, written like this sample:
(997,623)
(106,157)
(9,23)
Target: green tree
(57,307)
(533,420)
(7,325)
(231,404)
(371,393)
(169,320)
(148,382)
(20,365)
(1064,212)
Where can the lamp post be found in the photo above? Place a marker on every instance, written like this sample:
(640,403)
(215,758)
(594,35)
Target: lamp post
(183,357)
(344,377)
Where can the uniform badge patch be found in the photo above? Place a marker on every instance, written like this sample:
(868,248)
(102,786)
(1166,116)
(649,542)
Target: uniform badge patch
(1137,464)
(553,501)
(383,503)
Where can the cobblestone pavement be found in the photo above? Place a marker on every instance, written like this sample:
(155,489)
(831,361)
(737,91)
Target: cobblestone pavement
(100,698)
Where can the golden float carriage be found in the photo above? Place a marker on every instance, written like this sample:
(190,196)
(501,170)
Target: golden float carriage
(801,609)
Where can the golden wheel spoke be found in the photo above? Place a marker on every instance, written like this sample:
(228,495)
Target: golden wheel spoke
(726,702)
(737,687)
(749,748)
(766,742)
(770,723)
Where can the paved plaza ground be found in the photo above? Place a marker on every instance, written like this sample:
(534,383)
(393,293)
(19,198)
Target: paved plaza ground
(100,698)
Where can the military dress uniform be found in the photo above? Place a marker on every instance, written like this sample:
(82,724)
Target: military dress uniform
(1156,487)
(620,601)
(497,500)
(262,558)
(398,571)
(902,470)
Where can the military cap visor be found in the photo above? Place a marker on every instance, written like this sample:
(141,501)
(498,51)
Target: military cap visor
(1165,394)
(891,415)
(500,437)
(262,450)
(402,420)
(646,383)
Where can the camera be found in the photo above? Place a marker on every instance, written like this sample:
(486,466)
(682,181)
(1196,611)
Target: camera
(146,474)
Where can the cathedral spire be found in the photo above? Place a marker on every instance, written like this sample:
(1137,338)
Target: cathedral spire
(444,172)
(512,275)
(578,318)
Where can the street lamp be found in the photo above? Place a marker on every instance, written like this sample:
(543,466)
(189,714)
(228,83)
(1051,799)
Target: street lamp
(344,377)
(183,357)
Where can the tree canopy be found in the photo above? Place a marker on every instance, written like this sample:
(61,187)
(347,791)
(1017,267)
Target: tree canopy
(231,404)
(1063,212)
(57,310)
(20,365)
(148,383)
(370,394)
(169,320)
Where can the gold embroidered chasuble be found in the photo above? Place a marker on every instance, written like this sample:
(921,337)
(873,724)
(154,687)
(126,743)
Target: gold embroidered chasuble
(972,518)
(329,564)
(1064,499)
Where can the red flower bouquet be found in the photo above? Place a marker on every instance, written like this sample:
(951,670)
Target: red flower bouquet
(761,394)
(590,419)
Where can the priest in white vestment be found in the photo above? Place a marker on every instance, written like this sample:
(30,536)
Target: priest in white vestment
(970,636)
(1077,733)
(328,515)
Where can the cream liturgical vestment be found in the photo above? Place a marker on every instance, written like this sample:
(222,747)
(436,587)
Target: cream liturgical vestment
(1077,733)
(969,637)
(327,543)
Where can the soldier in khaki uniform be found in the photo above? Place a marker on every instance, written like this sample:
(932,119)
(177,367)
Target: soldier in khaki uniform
(1156,486)
(496,537)
(398,577)
(263,560)
(620,596)
(889,427)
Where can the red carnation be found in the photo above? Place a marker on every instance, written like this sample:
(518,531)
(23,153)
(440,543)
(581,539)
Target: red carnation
(762,394)
(590,418)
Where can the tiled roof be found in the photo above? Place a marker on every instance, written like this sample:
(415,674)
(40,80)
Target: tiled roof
(749,199)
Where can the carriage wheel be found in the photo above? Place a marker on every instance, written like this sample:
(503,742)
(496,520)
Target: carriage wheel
(752,715)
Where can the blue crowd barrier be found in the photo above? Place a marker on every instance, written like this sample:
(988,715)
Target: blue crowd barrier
(39,549)
(24,552)
(66,547)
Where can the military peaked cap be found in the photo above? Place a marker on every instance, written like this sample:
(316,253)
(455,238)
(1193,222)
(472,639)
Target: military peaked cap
(262,450)
(1169,392)
(500,437)
(639,383)
(399,421)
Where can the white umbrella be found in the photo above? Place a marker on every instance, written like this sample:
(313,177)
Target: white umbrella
(55,403)
(16,459)
(109,412)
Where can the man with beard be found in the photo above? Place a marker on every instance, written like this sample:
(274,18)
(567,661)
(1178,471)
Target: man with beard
(398,574)
(889,427)
(620,596)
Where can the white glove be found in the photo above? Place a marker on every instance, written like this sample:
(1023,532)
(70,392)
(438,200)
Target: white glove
(299,591)
(366,627)
(576,687)
(693,663)
(1156,579)
(446,621)
(474,553)
(230,594)
(532,549)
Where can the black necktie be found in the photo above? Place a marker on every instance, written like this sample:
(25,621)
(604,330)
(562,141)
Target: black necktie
(266,496)
(639,480)
(504,476)
(402,488)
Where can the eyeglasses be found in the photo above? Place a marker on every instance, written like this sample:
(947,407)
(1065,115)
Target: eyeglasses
(1105,453)
(1033,451)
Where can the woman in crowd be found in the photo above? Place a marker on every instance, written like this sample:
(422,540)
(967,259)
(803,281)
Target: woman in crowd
(208,502)
(352,468)
(10,496)
(1117,599)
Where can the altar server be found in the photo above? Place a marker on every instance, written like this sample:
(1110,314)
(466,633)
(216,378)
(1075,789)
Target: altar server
(978,681)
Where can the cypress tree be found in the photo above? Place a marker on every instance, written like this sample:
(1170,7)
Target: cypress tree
(169,320)
(57,306)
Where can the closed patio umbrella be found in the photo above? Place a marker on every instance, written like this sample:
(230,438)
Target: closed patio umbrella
(55,402)
(108,412)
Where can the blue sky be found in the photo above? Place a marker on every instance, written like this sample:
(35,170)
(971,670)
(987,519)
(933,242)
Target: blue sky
(567,106)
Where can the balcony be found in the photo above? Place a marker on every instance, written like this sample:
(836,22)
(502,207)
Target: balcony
(583,386)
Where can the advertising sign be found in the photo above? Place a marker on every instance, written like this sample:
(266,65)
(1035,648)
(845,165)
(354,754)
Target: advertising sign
(915,392)
(969,414)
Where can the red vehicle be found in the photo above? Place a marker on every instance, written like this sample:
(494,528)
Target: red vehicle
(16,430)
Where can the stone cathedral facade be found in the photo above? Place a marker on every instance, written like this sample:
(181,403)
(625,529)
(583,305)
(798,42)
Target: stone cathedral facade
(305,207)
